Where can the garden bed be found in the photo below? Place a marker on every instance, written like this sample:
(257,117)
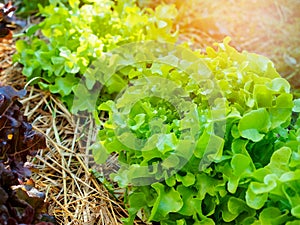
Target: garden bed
(63,170)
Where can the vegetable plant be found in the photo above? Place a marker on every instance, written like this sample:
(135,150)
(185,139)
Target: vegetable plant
(5,21)
(20,202)
(202,138)
(77,33)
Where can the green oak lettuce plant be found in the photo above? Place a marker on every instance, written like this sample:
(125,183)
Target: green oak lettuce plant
(74,34)
(224,149)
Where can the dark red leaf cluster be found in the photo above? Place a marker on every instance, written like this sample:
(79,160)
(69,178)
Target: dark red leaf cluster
(20,202)
(17,139)
(5,22)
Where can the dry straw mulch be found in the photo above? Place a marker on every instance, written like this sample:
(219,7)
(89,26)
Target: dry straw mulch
(6,50)
(75,196)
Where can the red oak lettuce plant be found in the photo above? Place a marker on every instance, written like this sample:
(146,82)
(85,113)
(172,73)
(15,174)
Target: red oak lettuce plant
(18,203)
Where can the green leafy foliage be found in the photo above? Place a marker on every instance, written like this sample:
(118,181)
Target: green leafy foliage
(76,33)
(201,138)
(217,146)
(27,7)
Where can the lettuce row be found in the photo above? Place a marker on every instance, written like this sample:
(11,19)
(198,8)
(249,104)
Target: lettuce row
(220,146)
(223,150)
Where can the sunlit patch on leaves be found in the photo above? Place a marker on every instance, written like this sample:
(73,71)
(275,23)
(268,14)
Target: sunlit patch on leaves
(77,33)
